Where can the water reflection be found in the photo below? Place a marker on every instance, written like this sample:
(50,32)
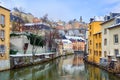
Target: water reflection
(73,68)
(65,68)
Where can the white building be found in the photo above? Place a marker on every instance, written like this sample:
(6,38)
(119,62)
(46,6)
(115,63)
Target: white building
(111,37)
(114,40)
(18,43)
(87,33)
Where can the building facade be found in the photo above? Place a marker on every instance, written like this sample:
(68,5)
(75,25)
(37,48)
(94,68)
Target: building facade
(4,38)
(27,17)
(110,39)
(97,47)
(94,39)
(114,32)
(105,37)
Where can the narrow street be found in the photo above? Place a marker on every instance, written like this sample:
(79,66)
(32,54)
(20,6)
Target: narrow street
(65,68)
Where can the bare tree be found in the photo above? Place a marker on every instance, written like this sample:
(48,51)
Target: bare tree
(53,33)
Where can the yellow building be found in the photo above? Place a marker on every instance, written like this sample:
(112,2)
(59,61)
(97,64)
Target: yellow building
(4,38)
(97,47)
(95,40)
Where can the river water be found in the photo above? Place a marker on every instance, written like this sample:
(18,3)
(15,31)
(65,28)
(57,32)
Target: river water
(65,68)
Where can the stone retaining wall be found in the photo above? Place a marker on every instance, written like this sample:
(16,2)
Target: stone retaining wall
(21,61)
(4,65)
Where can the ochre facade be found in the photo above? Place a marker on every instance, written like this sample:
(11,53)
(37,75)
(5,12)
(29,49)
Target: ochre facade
(4,38)
(95,40)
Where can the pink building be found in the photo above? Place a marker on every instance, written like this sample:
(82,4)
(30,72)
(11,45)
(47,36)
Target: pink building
(77,42)
(78,46)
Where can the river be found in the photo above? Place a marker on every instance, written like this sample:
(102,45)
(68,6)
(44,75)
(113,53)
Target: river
(65,68)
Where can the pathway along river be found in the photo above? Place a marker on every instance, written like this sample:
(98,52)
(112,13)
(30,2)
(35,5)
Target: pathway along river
(65,68)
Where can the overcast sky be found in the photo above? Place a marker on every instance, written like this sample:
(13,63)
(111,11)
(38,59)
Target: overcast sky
(65,9)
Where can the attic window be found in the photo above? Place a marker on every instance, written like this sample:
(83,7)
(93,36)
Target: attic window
(117,21)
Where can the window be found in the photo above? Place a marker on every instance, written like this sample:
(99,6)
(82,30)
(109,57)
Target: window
(2,49)
(99,35)
(99,53)
(116,52)
(99,45)
(105,54)
(105,41)
(105,31)
(116,38)
(117,21)
(2,19)
(2,34)
(96,45)
(94,52)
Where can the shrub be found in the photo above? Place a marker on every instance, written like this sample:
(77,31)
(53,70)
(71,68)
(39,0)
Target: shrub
(13,51)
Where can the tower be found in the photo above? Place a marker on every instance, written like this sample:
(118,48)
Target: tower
(80,19)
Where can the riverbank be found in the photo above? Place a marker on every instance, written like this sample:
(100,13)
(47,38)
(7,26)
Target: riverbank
(62,68)
(104,68)
(21,61)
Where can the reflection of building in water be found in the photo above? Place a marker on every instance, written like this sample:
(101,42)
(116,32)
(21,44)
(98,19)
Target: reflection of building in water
(94,73)
(73,68)
(78,60)
(60,65)
(73,65)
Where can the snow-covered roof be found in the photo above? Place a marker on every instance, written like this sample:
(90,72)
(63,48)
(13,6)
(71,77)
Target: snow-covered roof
(32,24)
(66,41)
(40,25)
(75,38)
(99,18)
(118,55)
(115,25)
(114,60)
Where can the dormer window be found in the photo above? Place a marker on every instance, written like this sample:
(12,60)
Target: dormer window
(117,20)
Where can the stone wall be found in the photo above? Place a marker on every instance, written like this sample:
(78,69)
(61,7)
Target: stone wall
(4,65)
(22,60)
